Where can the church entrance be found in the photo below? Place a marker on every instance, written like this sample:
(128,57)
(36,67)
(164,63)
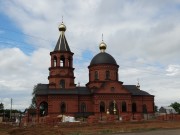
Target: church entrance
(112,107)
(43,109)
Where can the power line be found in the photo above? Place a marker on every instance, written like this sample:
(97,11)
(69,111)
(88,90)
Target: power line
(21,33)
(121,66)
(71,47)
(40,38)
(54,43)
(12,44)
(36,37)
(48,41)
(13,40)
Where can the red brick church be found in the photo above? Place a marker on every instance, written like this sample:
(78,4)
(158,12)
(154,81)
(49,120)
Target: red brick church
(103,94)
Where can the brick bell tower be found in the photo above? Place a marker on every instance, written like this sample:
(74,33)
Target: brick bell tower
(61,72)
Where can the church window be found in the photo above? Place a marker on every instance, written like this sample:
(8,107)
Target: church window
(107,75)
(55,61)
(62,61)
(134,108)
(102,107)
(124,109)
(83,107)
(69,62)
(144,109)
(153,107)
(63,108)
(62,84)
(96,75)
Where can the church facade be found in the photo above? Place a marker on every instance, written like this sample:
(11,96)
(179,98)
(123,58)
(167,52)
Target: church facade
(103,94)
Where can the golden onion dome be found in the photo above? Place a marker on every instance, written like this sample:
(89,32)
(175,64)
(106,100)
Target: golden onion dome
(62,27)
(102,46)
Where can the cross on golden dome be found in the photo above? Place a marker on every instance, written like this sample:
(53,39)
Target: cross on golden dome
(102,45)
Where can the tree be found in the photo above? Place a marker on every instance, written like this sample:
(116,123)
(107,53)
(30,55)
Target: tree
(7,112)
(1,107)
(156,108)
(176,106)
(33,100)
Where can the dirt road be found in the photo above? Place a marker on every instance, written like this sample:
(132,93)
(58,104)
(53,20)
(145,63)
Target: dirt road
(126,128)
(155,132)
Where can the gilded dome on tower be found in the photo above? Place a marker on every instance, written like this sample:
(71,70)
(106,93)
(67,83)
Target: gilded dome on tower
(103,57)
(102,46)
(62,27)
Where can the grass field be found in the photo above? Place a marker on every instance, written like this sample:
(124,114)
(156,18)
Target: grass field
(88,129)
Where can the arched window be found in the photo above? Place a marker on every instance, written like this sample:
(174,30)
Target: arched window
(62,61)
(144,109)
(43,109)
(107,75)
(102,107)
(134,109)
(55,61)
(69,62)
(62,84)
(154,107)
(117,76)
(124,109)
(83,107)
(63,108)
(96,75)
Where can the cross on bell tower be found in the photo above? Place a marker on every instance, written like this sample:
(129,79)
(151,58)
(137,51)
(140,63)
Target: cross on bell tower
(61,72)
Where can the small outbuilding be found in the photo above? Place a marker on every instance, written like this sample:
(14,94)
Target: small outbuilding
(167,110)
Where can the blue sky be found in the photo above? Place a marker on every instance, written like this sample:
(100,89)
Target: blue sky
(143,37)
(12,36)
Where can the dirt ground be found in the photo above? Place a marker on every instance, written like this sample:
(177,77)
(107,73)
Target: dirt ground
(157,132)
(117,128)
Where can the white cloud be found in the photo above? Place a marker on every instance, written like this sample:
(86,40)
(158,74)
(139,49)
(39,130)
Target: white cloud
(173,70)
(20,72)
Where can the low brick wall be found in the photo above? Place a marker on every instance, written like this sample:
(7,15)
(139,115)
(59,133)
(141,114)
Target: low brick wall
(1,119)
(126,118)
(97,118)
(92,119)
(168,117)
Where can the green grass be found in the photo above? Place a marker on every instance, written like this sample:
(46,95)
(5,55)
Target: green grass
(106,131)
(76,133)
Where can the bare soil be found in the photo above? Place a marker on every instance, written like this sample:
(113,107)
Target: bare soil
(155,132)
(130,128)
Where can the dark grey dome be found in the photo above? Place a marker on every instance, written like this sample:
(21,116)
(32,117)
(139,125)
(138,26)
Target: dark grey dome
(103,58)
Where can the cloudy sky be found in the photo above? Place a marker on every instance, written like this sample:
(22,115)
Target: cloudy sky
(143,37)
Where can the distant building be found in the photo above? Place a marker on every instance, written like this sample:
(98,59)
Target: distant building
(167,110)
(104,93)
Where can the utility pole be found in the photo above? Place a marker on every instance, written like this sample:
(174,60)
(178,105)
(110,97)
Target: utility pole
(11,110)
